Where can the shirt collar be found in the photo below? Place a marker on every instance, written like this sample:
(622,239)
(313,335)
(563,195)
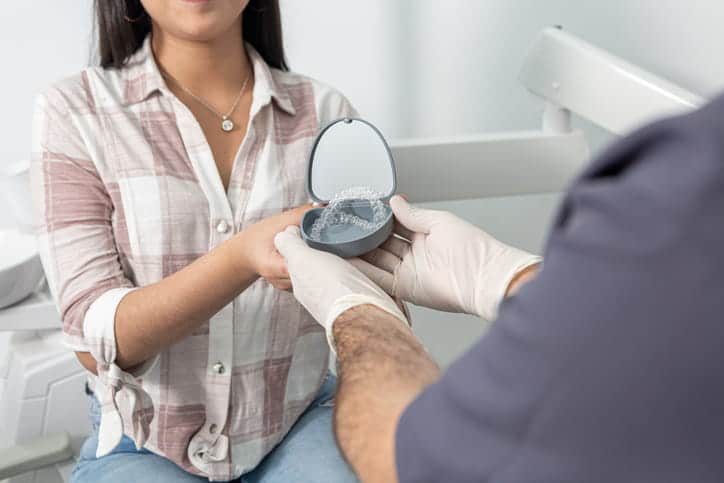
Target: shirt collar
(143,78)
(266,86)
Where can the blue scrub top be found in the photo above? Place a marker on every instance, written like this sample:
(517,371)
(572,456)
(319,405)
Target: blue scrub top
(609,367)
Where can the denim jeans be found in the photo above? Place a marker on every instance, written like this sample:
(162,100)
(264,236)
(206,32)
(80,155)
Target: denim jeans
(308,454)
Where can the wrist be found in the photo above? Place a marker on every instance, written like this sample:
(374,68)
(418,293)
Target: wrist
(521,278)
(499,277)
(353,304)
(360,315)
(238,254)
(359,312)
(360,308)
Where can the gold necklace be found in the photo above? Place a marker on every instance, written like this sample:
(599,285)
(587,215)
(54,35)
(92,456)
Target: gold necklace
(227,125)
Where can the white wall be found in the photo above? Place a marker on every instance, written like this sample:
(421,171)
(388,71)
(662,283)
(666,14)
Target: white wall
(40,41)
(451,67)
(414,67)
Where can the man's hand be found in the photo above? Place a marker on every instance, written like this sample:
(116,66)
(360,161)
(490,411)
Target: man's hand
(327,285)
(382,365)
(440,261)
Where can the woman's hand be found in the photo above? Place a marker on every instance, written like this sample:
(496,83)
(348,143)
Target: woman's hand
(256,247)
(152,317)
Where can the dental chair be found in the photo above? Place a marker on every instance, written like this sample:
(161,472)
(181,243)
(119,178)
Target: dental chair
(43,407)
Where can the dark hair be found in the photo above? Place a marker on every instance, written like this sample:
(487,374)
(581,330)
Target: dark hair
(122,26)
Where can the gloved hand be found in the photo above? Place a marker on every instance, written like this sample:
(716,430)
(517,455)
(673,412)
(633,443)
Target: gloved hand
(444,263)
(327,285)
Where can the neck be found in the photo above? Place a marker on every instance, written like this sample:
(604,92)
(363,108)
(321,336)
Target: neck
(218,65)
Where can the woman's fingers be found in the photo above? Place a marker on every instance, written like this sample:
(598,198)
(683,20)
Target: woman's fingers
(281,283)
(291,217)
(385,280)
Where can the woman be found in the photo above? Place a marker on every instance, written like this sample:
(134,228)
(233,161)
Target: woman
(160,179)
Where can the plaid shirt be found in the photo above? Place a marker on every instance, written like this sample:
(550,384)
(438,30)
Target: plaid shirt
(127,192)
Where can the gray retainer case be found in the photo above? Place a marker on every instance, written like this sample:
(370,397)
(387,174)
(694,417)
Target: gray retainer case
(346,153)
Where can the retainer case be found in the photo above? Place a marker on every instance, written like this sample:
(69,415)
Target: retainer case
(347,153)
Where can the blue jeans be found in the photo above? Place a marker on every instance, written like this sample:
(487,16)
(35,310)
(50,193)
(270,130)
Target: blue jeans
(308,454)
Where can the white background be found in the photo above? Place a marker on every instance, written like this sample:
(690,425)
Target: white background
(415,68)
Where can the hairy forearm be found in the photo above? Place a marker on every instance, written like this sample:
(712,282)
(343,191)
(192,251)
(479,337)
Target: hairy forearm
(382,367)
(155,316)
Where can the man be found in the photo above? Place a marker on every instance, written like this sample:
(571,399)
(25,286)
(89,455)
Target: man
(607,367)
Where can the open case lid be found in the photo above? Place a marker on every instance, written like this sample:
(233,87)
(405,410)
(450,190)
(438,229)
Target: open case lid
(350,152)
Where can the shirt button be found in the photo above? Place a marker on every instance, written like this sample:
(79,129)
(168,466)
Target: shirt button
(219,368)
(213,428)
(223,227)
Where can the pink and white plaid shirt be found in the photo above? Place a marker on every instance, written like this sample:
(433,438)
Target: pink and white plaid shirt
(127,192)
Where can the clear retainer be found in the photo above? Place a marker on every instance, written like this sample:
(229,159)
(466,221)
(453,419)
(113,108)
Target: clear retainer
(337,211)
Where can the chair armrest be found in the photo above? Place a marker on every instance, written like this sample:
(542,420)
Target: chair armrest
(37,312)
(40,452)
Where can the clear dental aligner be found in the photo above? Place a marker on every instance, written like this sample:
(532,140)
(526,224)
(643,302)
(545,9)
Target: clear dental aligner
(335,212)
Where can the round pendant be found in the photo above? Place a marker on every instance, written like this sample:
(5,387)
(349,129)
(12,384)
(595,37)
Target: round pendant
(227,125)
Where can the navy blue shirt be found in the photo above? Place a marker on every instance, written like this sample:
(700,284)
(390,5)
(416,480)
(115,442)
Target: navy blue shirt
(609,366)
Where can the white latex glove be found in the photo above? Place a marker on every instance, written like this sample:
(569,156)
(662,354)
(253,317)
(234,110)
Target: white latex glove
(327,285)
(443,262)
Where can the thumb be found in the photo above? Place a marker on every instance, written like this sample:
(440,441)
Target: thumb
(410,217)
(288,240)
